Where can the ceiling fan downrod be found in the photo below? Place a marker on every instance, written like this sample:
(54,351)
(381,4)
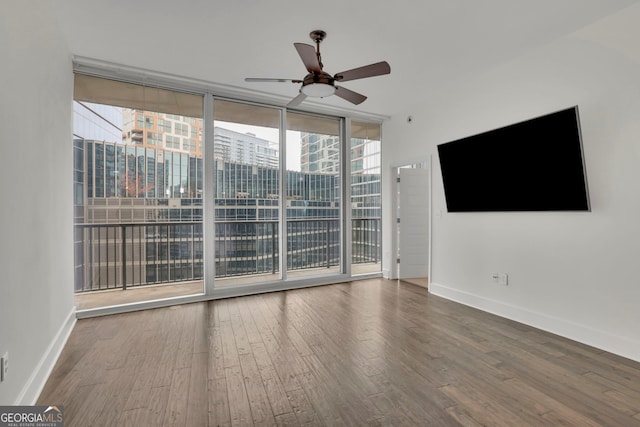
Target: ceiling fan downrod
(317,36)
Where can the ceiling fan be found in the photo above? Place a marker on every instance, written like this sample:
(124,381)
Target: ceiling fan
(318,83)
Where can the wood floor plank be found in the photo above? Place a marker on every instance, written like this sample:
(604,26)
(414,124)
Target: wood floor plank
(482,409)
(218,397)
(261,411)
(573,391)
(215,369)
(176,411)
(364,353)
(394,414)
(280,350)
(237,325)
(197,400)
(151,415)
(85,404)
(543,404)
(353,405)
(228,341)
(622,402)
(187,326)
(159,398)
(119,386)
(239,407)
(140,390)
(287,420)
(411,403)
(245,306)
(462,417)
(201,329)
(272,384)
(286,320)
(133,417)
(164,373)
(327,405)
(302,408)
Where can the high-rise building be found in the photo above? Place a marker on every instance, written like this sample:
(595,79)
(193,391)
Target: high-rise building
(366,182)
(243,148)
(153,129)
(184,134)
(319,153)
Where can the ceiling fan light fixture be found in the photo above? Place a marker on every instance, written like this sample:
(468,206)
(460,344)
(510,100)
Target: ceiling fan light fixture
(318,90)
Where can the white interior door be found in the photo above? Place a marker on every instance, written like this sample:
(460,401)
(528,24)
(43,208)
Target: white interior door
(413,236)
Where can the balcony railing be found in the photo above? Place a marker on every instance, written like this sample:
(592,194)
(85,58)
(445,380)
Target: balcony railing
(119,256)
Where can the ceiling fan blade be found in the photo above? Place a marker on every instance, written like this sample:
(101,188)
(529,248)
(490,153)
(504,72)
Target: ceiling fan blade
(309,57)
(371,70)
(259,79)
(297,100)
(349,95)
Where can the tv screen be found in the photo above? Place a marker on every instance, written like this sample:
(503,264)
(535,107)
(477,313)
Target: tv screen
(535,165)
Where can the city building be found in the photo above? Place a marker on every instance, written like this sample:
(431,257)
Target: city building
(124,185)
(244,148)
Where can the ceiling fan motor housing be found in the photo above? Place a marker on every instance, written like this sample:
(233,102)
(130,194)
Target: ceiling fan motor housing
(318,85)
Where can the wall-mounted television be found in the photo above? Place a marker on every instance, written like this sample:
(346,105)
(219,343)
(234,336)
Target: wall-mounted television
(534,165)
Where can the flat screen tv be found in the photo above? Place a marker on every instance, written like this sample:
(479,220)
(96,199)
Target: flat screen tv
(535,165)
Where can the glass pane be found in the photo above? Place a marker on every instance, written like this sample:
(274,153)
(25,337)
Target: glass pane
(313,195)
(138,204)
(366,200)
(247,193)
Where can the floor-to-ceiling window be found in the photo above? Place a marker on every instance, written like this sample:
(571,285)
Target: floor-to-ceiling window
(138,192)
(156,219)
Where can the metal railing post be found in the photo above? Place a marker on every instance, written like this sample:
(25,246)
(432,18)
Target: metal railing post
(328,244)
(123,230)
(273,248)
(375,241)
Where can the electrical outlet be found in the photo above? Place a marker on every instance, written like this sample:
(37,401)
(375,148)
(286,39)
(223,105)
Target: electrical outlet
(4,366)
(503,279)
(500,278)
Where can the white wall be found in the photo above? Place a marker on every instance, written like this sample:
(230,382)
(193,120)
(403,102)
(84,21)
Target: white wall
(36,245)
(575,274)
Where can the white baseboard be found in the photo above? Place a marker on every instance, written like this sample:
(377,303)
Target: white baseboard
(32,389)
(596,338)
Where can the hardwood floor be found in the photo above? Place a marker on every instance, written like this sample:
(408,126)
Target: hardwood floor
(371,352)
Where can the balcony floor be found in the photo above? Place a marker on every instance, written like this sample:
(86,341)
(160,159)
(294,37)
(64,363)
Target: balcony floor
(96,299)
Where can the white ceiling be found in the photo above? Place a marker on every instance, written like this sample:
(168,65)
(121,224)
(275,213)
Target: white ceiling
(430,44)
